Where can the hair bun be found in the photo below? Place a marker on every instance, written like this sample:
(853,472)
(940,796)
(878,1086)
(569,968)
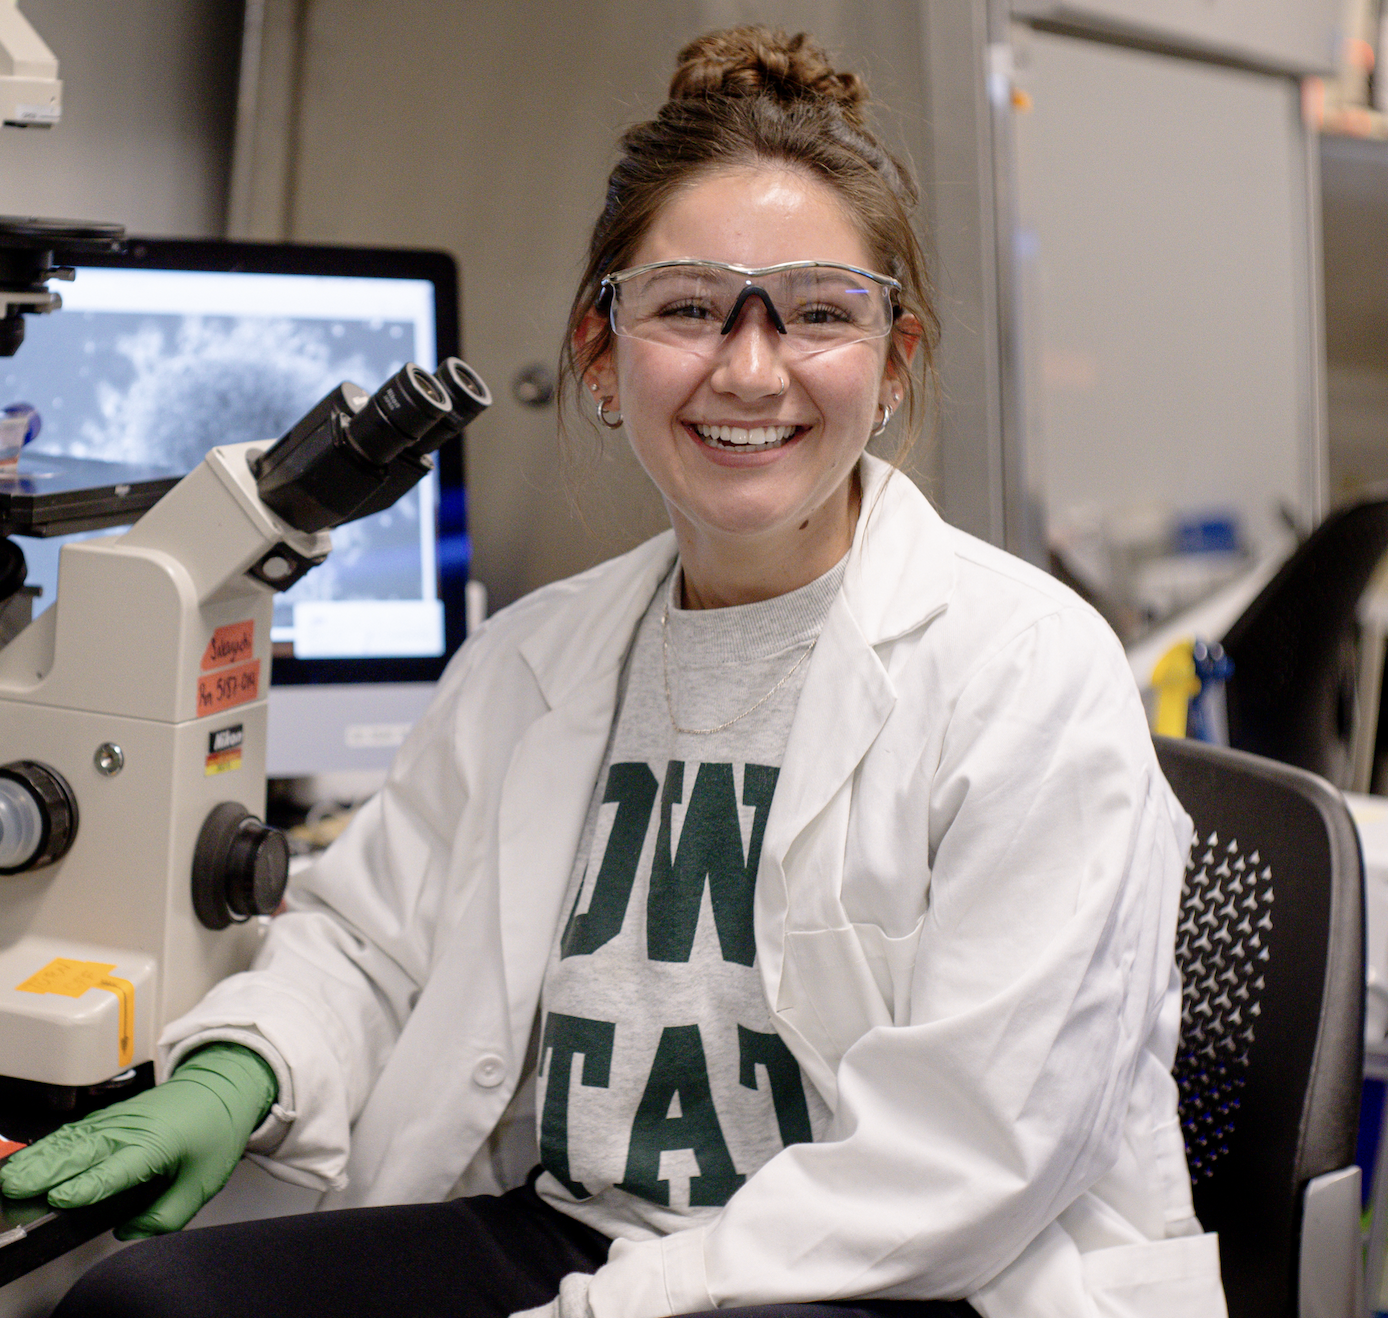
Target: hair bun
(757,61)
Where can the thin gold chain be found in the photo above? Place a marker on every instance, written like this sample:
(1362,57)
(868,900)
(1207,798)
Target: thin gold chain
(669,695)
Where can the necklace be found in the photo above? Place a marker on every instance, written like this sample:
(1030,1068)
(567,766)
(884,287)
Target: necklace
(669,695)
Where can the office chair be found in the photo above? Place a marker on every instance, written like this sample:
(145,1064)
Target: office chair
(1292,693)
(1270,945)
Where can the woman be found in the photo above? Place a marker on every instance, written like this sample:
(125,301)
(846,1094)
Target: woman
(813,857)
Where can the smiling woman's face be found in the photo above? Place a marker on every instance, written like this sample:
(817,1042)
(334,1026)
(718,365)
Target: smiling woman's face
(789,502)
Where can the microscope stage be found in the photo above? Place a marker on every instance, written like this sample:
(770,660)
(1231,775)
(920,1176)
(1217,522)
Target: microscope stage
(48,494)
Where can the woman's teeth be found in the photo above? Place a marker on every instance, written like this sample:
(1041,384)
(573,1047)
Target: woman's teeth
(739,437)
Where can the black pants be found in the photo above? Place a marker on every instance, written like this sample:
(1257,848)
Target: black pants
(484,1257)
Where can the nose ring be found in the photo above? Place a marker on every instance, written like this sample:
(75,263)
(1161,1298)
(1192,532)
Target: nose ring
(785,384)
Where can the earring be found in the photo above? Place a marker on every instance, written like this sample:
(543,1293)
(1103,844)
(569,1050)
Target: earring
(882,424)
(603,417)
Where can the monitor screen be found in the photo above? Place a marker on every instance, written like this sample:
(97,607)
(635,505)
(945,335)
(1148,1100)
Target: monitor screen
(177,346)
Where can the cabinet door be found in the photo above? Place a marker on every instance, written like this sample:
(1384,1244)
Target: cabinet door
(1296,36)
(1166,288)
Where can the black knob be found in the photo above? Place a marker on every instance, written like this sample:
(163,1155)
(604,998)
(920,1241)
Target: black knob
(11,333)
(240,867)
(38,816)
(14,571)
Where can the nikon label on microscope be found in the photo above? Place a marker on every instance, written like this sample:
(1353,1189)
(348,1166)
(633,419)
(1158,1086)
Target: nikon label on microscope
(224,750)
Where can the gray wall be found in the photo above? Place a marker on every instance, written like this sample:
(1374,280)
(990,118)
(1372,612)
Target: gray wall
(149,94)
(488,129)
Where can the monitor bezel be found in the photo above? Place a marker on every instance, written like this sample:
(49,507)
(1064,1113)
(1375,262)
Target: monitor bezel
(440,269)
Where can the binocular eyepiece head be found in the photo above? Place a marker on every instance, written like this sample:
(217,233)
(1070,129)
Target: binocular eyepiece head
(399,414)
(417,412)
(356,453)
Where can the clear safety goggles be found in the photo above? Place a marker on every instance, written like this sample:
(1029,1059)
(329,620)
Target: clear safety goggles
(690,304)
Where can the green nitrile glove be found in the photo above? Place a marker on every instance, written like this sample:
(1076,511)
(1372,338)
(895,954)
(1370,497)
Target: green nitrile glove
(193,1127)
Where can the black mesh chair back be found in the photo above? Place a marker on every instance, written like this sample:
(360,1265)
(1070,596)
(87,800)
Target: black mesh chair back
(1270,948)
(1291,696)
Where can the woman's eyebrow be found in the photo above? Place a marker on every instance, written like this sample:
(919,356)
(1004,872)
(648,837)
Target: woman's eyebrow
(686,272)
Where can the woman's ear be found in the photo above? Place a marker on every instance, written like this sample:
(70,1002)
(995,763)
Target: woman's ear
(601,376)
(907,334)
(906,340)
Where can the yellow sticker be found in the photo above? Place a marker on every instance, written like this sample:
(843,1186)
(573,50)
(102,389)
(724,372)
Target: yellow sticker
(74,978)
(222,762)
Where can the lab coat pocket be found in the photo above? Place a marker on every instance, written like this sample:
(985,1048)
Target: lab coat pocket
(1176,1278)
(1173,1176)
(829,991)
(892,962)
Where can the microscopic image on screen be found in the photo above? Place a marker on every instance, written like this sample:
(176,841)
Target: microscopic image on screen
(161,389)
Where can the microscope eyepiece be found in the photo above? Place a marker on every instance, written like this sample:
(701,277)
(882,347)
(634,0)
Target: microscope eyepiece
(406,407)
(469,395)
(466,388)
(356,453)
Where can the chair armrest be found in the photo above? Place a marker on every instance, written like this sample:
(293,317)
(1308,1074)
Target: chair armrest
(1330,1281)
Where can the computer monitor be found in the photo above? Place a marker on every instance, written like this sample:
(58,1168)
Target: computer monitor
(178,345)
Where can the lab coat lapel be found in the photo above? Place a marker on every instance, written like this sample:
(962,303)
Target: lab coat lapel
(533,862)
(846,699)
(576,657)
(899,575)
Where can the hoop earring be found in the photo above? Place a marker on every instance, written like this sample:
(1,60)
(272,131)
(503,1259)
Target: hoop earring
(882,424)
(603,417)
(785,384)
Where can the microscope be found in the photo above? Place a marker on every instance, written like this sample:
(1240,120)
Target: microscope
(133,861)
(31,93)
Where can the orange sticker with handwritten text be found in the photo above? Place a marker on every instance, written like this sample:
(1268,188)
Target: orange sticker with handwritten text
(228,688)
(232,644)
(71,979)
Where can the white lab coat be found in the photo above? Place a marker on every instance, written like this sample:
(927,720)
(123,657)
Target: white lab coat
(964,915)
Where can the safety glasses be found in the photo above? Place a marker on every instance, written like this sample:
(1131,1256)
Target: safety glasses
(693,305)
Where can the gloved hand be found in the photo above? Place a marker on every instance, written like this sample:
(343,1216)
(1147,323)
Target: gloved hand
(193,1127)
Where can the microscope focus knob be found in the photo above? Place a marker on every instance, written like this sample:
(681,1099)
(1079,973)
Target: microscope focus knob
(240,867)
(38,816)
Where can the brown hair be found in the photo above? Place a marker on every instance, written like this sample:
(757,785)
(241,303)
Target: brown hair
(751,95)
